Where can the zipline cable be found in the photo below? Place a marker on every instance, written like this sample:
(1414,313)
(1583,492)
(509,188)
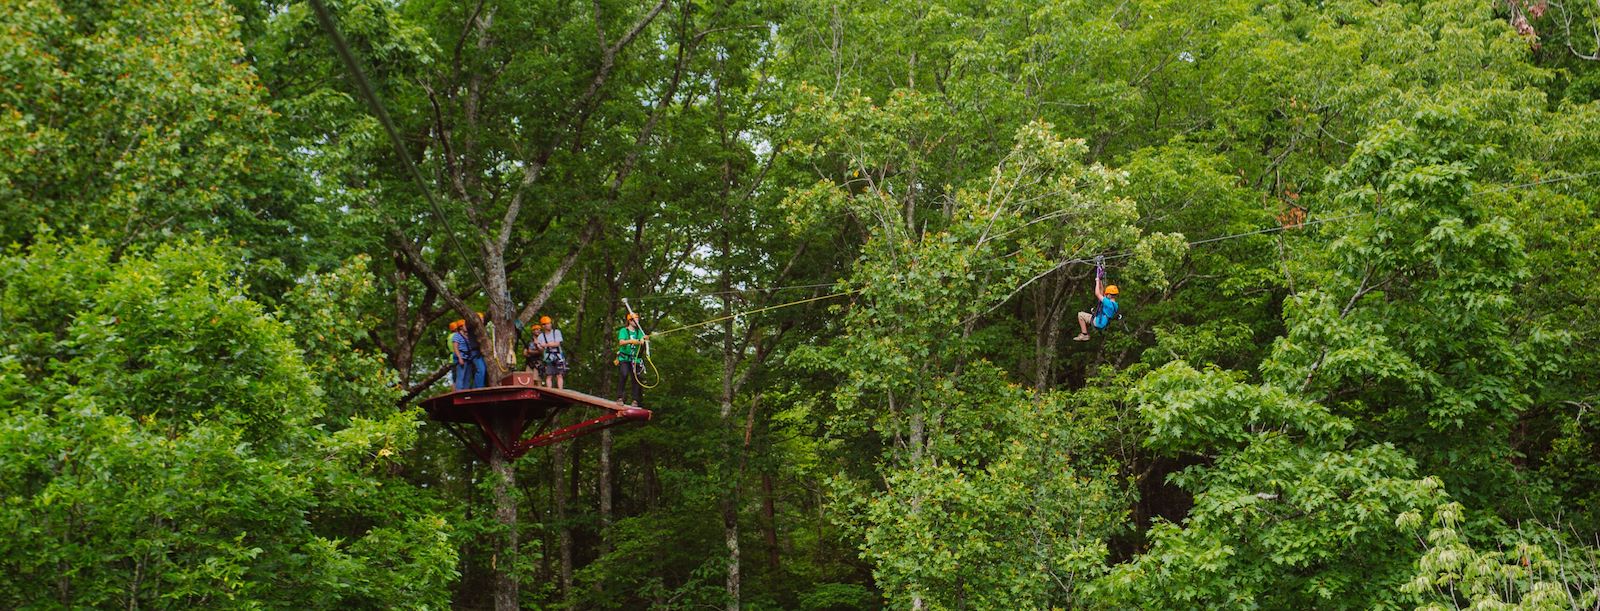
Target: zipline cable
(758,311)
(1129,253)
(1543,182)
(1098,260)
(772,289)
(1066,263)
(365,87)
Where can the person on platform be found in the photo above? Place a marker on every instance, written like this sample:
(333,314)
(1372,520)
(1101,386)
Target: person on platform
(470,368)
(630,365)
(553,363)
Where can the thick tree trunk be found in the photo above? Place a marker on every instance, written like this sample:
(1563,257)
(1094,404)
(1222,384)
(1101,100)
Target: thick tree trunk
(730,499)
(730,363)
(605,435)
(505,548)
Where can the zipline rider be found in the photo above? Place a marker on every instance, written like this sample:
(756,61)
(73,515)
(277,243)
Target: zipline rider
(629,364)
(1105,309)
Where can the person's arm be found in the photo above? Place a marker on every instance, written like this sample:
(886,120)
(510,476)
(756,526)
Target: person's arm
(555,339)
(1099,288)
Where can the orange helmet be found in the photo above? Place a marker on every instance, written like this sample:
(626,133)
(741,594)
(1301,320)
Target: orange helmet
(632,316)
(456,326)
(1111,289)
(544,320)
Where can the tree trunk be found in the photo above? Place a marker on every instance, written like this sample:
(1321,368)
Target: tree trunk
(730,363)
(1047,330)
(730,530)
(605,492)
(769,521)
(605,435)
(730,499)
(505,548)
(558,493)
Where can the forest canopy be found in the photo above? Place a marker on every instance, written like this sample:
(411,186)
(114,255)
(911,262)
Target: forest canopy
(1335,261)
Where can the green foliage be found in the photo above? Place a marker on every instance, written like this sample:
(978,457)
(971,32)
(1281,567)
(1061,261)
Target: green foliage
(164,453)
(1535,566)
(1017,532)
(332,314)
(1356,243)
(136,121)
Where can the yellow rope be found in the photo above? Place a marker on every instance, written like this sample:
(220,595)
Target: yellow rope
(652,368)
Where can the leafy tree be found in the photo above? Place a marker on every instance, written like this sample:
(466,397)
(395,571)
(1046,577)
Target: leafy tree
(135,122)
(161,450)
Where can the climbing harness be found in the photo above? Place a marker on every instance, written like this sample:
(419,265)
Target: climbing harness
(1100,276)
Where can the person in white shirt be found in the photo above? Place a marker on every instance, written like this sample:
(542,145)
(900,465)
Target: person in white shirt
(547,342)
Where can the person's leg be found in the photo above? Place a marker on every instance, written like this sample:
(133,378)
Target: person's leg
(622,381)
(458,376)
(480,370)
(630,384)
(1083,326)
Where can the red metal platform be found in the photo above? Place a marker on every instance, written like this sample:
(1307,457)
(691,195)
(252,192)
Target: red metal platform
(505,412)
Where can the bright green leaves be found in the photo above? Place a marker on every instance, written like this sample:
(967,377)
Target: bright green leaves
(919,290)
(1410,321)
(1284,516)
(1281,525)
(1010,513)
(159,446)
(130,120)
(1192,411)
(1328,348)
(1399,332)
(1014,535)
(331,316)
(1533,566)
(171,339)
(106,511)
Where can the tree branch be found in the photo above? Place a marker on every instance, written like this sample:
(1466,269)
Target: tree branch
(411,393)
(584,106)
(434,282)
(590,232)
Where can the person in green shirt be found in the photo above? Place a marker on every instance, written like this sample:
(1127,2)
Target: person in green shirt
(630,365)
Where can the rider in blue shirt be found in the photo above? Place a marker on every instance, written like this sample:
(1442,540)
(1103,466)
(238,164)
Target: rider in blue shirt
(1106,296)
